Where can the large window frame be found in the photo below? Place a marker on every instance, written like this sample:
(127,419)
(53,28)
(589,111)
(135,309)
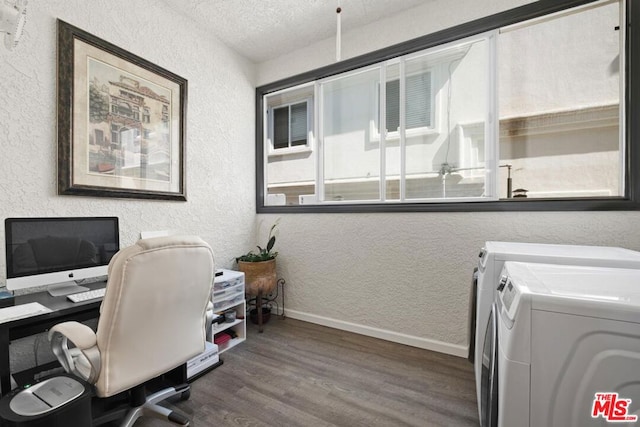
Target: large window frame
(630,106)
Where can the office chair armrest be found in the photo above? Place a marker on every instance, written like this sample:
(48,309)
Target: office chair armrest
(80,334)
(83,359)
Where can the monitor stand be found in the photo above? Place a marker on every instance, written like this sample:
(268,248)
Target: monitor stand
(65,288)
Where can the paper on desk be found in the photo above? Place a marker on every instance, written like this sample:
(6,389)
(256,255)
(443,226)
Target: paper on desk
(22,311)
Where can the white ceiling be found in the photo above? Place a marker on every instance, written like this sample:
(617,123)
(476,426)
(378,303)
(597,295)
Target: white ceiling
(265,29)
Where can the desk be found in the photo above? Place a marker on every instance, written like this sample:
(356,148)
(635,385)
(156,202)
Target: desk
(62,310)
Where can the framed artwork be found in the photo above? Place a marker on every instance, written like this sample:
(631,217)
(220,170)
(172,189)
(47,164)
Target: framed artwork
(121,122)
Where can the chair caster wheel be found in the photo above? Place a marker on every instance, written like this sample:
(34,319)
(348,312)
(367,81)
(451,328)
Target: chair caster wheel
(185,395)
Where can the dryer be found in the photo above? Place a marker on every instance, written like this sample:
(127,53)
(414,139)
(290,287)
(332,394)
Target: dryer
(566,340)
(491,260)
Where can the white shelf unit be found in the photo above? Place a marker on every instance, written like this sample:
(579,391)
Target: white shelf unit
(228,294)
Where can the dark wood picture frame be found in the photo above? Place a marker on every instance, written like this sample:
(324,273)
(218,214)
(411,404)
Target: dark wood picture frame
(121,122)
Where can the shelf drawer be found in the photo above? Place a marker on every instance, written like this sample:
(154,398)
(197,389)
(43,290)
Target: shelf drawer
(228,300)
(231,290)
(228,279)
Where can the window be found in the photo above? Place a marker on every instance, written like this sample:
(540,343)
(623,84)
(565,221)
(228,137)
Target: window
(419,102)
(353,162)
(350,152)
(115,134)
(559,106)
(165,115)
(288,146)
(525,114)
(410,163)
(290,125)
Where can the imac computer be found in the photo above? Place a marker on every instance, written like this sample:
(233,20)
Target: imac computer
(58,252)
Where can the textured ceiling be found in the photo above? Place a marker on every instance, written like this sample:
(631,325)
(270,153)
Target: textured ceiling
(265,29)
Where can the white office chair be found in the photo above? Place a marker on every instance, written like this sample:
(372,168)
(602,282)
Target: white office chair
(153,319)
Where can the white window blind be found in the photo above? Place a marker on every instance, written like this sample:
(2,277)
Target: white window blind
(299,124)
(419,102)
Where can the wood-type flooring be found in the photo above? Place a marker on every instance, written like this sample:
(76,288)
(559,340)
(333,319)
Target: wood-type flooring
(301,374)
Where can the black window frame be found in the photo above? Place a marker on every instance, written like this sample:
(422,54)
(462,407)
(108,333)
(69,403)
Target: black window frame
(631,97)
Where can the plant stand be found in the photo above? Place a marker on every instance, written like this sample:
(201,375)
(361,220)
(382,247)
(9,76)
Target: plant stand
(267,300)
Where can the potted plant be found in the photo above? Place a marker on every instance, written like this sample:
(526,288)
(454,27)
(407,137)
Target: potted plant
(259,269)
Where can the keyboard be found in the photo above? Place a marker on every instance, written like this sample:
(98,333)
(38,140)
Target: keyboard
(22,311)
(87,295)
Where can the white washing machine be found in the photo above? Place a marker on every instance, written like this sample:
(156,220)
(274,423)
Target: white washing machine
(491,260)
(566,343)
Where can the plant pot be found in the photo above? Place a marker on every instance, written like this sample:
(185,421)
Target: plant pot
(266,315)
(259,277)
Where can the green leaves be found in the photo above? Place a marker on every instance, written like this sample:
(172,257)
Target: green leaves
(253,257)
(264,254)
(271,244)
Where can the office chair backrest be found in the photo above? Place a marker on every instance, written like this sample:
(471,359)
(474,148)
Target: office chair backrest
(152,318)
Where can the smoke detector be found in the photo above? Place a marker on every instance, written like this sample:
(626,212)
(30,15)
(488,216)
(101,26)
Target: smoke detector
(13,17)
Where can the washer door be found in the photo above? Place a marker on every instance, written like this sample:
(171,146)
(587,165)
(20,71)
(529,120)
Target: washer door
(473,301)
(489,376)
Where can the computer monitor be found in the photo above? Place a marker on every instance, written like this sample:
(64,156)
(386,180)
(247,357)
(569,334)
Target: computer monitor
(58,252)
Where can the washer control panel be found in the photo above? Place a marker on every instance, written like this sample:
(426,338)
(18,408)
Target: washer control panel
(508,292)
(482,259)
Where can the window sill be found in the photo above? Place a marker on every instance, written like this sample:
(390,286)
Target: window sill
(501,205)
(290,151)
(409,133)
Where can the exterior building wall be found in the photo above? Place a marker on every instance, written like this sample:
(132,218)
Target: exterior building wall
(537,75)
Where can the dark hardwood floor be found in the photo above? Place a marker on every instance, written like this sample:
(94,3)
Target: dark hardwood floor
(301,374)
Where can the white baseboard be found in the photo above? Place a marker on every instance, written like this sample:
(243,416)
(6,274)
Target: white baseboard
(427,344)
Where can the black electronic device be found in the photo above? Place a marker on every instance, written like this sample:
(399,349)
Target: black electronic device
(58,252)
(58,401)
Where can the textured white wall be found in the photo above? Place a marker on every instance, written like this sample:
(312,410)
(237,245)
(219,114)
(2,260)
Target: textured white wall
(220,124)
(410,273)
(432,16)
(406,276)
